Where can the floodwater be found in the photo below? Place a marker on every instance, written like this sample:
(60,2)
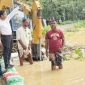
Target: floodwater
(40,73)
(73,73)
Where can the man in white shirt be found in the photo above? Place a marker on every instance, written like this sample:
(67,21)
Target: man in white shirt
(6,35)
(24,38)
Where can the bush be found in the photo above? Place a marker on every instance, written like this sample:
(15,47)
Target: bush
(45,29)
(66,22)
(80,24)
(79,53)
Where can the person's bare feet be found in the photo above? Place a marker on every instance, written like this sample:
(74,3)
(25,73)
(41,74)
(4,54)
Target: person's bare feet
(53,67)
(61,66)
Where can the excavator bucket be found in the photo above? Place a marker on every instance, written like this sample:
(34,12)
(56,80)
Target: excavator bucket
(6,4)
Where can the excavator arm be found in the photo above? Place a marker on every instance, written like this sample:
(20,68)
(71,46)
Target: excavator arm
(6,4)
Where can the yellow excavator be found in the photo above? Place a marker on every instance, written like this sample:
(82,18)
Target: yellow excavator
(36,12)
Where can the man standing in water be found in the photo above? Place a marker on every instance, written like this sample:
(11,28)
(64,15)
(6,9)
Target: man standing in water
(24,42)
(6,35)
(54,44)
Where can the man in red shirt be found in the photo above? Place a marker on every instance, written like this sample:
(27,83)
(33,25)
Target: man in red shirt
(54,44)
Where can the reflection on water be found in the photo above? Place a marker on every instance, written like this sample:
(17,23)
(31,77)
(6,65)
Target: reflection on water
(40,73)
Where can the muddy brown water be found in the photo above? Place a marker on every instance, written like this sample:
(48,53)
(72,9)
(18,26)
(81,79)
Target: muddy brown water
(40,73)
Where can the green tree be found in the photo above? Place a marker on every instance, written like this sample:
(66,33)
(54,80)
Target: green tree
(62,9)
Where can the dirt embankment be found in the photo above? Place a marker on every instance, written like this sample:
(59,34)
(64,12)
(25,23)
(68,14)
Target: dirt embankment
(74,39)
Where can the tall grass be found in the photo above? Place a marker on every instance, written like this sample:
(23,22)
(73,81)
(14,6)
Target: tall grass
(80,24)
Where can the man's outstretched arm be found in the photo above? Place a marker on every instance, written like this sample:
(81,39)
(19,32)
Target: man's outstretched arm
(15,11)
(63,42)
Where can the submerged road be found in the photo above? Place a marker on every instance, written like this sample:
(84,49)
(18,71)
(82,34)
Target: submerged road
(40,73)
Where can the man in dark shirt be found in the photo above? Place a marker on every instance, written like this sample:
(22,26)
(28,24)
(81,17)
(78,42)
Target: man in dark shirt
(54,44)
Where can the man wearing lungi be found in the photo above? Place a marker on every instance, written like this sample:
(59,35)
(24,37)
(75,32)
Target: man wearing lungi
(54,44)
(24,38)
